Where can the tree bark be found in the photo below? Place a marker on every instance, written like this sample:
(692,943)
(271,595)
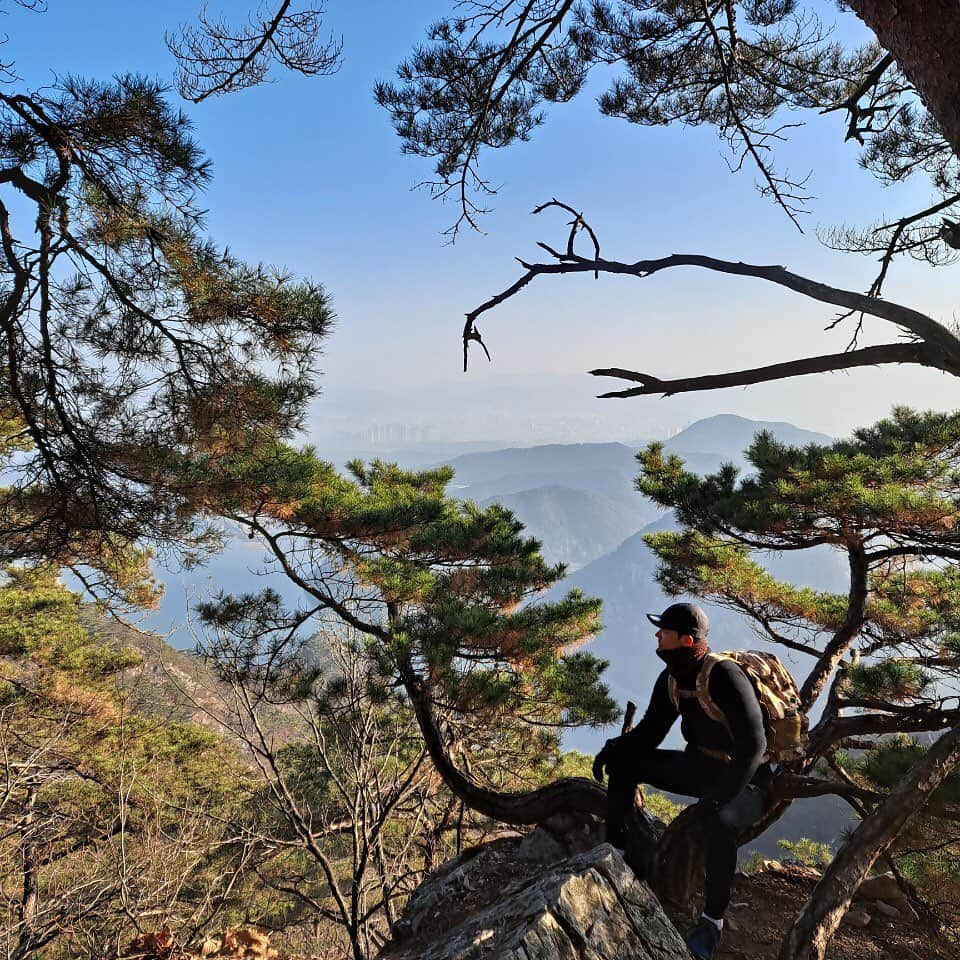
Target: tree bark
(853,622)
(575,795)
(679,863)
(924,37)
(810,934)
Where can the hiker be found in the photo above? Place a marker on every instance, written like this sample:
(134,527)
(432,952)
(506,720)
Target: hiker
(722,765)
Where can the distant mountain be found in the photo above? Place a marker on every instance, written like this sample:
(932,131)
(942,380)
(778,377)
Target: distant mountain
(727,436)
(411,456)
(605,468)
(610,468)
(575,526)
(578,499)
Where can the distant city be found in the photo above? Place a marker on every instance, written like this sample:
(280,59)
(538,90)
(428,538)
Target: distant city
(496,429)
(476,414)
(397,434)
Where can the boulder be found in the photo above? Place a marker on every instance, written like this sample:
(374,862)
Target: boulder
(884,886)
(452,880)
(542,847)
(587,907)
(886,909)
(857,918)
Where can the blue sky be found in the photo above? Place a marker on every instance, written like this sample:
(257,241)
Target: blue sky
(308,174)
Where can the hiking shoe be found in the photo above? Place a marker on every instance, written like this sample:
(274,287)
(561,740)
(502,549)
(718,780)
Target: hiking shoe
(704,940)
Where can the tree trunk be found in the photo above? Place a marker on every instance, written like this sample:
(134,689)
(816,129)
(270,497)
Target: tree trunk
(680,857)
(679,864)
(848,632)
(924,37)
(810,934)
(575,795)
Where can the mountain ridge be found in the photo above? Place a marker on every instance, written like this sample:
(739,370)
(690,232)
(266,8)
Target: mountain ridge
(574,526)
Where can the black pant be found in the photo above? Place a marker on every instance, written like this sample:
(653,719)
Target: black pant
(692,774)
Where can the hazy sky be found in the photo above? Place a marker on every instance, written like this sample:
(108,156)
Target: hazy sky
(308,174)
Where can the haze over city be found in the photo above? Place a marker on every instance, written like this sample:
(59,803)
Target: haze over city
(307,173)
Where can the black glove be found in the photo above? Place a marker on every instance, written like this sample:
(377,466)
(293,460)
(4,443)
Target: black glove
(603,758)
(599,762)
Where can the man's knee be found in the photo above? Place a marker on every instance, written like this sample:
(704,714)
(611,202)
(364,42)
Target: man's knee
(726,820)
(745,809)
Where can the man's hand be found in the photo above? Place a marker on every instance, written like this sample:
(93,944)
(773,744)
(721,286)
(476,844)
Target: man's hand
(599,762)
(603,758)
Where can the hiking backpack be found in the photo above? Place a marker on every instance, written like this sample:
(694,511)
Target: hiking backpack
(776,690)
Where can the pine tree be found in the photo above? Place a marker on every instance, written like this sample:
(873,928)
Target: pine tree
(445,593)
(349,813)
(884,657)
(106,814)
(128,337)
(487,77)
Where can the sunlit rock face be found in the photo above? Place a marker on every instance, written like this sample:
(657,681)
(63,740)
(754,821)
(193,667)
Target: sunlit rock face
(586,907)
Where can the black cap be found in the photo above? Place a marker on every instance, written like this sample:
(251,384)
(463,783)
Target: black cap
(685,618)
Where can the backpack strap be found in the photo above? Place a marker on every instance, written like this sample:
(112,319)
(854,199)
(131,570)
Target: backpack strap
(676,694)
(703,688)
(673,692)
(702,691)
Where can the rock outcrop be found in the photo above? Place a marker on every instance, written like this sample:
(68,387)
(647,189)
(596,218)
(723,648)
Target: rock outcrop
(586,907)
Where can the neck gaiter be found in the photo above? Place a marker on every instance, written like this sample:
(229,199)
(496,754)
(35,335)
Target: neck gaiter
(684,660)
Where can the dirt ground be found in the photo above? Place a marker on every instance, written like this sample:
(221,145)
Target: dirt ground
(764,905)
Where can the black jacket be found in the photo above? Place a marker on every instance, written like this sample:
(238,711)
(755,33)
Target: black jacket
(732,692)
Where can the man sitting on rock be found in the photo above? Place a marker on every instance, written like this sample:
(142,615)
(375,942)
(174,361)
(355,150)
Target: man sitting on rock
(722,765)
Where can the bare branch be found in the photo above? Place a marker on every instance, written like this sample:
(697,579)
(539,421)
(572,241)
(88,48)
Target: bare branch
(577,223)
(851,104)
(216,58)
(933,344)
(869,356)
(780,188)
(916,234)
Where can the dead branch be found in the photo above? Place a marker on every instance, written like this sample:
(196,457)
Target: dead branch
(868,357)
(857,113)
(930,344)
(216,58)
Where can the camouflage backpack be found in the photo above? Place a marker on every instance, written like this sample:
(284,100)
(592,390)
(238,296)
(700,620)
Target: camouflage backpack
(776,690)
